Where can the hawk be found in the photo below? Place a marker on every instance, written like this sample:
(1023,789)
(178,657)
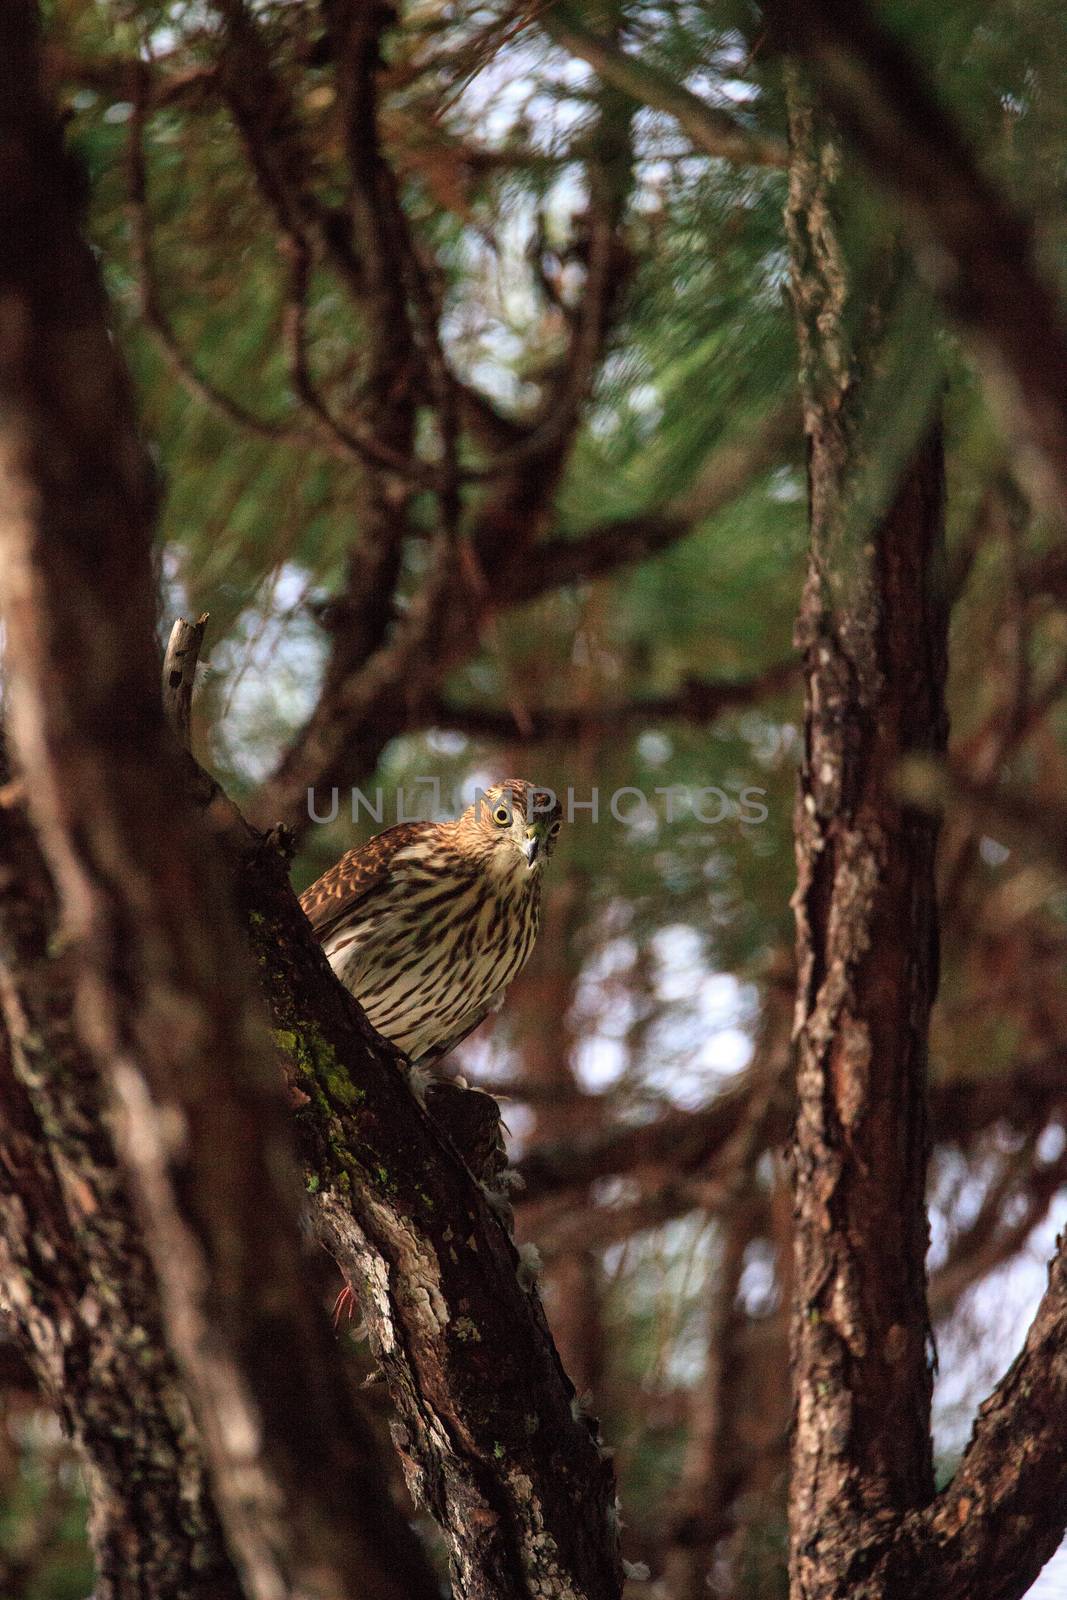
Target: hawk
(429,922)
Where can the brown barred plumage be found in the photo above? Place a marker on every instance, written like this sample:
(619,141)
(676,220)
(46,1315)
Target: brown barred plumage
(429,922)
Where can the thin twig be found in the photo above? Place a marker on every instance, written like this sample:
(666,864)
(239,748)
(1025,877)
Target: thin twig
(346,442)
(150,301)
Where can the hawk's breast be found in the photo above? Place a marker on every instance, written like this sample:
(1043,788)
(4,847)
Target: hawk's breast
(433,944)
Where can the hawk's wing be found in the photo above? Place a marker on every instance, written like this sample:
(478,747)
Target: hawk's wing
(332,898)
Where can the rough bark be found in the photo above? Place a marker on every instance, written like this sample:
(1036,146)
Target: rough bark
(75,1272)
(489,1433)
(987,1535)
(490,1436)
(514,1477)
(163,992)
(864,1520)
(872,628)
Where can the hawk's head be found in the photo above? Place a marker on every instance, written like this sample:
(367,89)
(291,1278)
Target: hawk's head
(515,824)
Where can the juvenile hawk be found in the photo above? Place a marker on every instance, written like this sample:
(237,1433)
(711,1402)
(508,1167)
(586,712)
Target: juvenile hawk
(428,923)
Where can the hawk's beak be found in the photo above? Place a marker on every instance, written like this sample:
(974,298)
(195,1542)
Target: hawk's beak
(535,843)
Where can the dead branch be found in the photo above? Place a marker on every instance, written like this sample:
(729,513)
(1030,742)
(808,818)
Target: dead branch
(179,673)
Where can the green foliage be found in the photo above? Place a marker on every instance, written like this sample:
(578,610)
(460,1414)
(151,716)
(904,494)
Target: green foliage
(42,1507)
(257,531)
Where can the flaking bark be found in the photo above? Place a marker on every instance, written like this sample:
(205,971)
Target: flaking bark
(164,1001)
(83,1295)
(489,1433)
(873,631)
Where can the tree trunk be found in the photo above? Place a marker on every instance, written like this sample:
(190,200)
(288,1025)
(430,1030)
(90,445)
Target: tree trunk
(164,1000)
(75,1270)
(165,1003)
(872,627)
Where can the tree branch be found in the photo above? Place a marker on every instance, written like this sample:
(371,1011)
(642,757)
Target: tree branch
(280,163)
(490,1440)
(730,470)
(1034,826)
(365,702)
(162,980)
(989,1533)
(689,1143)
(493,1445)
(399,687)
(712,130)
(123,77)
(988,1242)
(150,302)
(978,249)
(698,700)
(683,1141)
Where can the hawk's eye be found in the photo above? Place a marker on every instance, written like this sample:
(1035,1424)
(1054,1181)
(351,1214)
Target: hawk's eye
(502,816)
(556,826)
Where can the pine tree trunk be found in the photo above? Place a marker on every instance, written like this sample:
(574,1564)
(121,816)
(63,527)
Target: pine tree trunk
(872,628)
